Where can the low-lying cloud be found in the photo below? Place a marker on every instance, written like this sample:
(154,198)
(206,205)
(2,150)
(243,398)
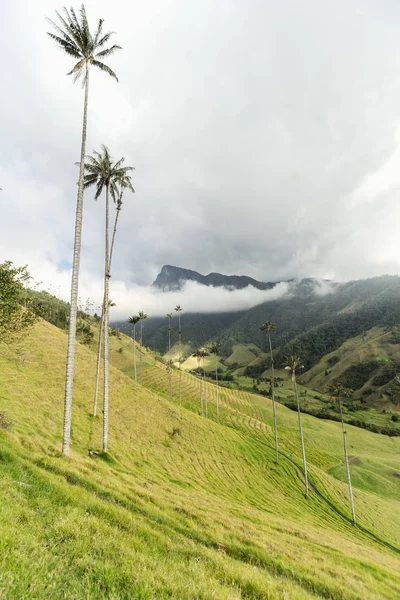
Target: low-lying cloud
(131,298)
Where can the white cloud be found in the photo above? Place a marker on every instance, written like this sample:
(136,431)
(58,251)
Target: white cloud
(264,139)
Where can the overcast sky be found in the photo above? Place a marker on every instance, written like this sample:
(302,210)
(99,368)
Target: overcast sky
(265,137)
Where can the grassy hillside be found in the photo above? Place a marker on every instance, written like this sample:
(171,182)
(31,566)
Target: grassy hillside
(183,506)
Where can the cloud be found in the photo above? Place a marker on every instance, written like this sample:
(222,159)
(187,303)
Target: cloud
(264,137)
(193,297)
(131,298)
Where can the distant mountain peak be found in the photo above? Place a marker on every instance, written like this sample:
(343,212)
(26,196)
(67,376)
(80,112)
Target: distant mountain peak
(173,278)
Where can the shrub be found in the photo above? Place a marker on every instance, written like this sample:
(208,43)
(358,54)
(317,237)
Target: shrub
(5,422)
(395,418)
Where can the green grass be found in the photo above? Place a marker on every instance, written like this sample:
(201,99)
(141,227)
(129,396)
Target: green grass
(202,513)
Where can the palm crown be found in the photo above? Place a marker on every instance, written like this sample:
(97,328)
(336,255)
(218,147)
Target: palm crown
(293,364)
(213,348)
(338,390)
(142,316)
(101,171)
(133,320)
(267,326)
(178,308)
(124,182)
(74,37)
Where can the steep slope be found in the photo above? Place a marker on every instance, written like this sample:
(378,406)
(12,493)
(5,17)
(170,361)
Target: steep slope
(183,507)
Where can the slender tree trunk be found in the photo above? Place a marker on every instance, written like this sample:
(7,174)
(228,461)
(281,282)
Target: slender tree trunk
(201,387)
(346,458)
(303,451)
(180,356)
(169,360)
(273,399)
(216,386)
(114,232)
(69,375)
(140,354)
(205,388)
(134,351)
(106,311)
(96,388)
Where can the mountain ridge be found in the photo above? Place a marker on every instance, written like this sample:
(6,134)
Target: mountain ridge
(172,278)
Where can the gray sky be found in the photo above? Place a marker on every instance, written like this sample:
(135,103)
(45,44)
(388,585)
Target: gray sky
(265,138)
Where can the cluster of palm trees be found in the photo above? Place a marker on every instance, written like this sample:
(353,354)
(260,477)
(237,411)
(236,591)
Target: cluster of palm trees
(201,354)
(140,317)
(134,320)
(294,366)
(73,35)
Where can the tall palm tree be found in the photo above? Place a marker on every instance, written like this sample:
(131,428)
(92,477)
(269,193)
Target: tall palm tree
(133,320)
(214,349)
(73,36)
(203,353)
(339,392)
(178,309)
(293,365)
(268,327)
(198,354)
(102,172)
(124,182)
(142,317)
(169,317)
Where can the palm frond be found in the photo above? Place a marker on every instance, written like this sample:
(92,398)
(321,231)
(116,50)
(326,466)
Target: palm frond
(65,46)
(107,51)
(78,67)
(104,39)
(70,27)
(84,26)
(103,67)
(100,185)
(98,33)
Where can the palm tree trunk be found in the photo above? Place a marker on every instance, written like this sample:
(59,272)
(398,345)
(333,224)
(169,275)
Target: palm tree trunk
(180,354)
(69,375)
(303,451)
(169,360)
(201,388)
(115,229)
(216,385)
(134,351)
(96,389)
(346,458)
(140,354)
(106,311)
(273,399)
(205,388)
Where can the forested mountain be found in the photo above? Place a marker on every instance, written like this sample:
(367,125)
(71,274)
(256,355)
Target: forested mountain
(173,278)
(307,321)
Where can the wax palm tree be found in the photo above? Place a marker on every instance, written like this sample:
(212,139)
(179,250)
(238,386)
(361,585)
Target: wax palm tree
(73,36)
(169,317)
(178,309)
(198,354)
(203,353)
(142,317)
(102,172)
(338,391)
(133,320)
(268,327)
(124,182)
(294,365)
(214,349)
